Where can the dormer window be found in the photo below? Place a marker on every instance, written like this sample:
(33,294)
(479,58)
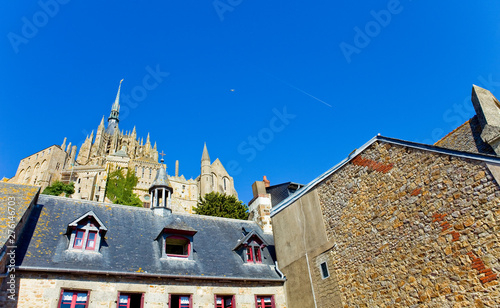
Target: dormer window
(253,254)
(177,246)
(176,241)
(86,233)
(250,247)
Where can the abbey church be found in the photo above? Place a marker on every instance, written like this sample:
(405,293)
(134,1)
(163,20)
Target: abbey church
(109,149)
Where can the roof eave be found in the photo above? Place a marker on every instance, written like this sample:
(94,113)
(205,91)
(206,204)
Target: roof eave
(140,274)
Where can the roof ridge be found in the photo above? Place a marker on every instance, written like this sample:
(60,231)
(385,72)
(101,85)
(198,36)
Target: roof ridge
(449,134)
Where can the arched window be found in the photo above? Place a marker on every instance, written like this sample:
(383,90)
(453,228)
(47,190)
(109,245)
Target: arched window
(214,180)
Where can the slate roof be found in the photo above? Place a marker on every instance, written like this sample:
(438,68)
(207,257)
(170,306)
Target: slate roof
(20,197)
(281,191)
(130,244)
(466,137)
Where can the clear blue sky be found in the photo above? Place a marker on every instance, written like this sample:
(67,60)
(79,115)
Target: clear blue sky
(343,70)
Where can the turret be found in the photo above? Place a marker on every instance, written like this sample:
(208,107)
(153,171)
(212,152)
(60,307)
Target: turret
(206,173)
(161,192)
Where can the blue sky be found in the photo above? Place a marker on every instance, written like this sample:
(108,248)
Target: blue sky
(279,88)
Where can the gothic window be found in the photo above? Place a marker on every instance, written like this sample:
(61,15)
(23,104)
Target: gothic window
(150,172)
(142,172)
(225,183)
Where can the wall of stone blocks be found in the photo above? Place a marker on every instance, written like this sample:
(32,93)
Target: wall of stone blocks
(43,290)
(413,228)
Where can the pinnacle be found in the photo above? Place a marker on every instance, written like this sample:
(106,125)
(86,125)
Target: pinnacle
(205,155)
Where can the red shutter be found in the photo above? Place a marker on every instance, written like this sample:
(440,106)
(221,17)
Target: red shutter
(142,300)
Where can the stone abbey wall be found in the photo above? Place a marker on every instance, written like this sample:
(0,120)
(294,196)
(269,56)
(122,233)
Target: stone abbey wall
(412,228)
(44,289)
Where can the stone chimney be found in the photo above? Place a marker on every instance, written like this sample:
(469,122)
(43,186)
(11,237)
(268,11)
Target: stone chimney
(260,206)
(487,109)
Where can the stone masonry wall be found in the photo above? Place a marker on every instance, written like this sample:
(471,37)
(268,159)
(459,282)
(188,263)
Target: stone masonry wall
(43,290)
(412,229)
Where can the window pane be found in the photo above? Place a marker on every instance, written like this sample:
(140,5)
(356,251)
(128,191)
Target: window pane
(177,246)
(324,270)
(184,301)
(124,300)
(79,238)
(91,240)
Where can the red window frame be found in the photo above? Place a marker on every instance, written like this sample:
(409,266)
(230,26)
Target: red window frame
(87,247)
(82,233)
(127,305)
(257,254)
(74,297)
(188,252)
(261,303)
(253,254)
(249,254)
(222,298)
(190,296)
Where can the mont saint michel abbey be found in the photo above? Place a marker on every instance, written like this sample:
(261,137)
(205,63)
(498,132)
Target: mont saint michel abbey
(109,149)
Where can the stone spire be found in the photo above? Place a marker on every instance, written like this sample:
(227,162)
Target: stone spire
(115,111)
(205,156)
(101,125)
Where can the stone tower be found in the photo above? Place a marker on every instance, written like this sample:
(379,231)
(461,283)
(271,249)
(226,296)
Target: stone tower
(206,174)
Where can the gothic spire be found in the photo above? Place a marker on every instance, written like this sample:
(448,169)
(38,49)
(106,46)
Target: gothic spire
(115,110)
(205,156)
(116,105)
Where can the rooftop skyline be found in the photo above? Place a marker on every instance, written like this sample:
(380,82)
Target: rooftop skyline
(282,89)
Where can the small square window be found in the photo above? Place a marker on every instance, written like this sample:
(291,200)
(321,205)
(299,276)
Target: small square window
(324,270)
(224,301)
(264,301)
(130,300)
(179,301)
(177,246)
(73,299)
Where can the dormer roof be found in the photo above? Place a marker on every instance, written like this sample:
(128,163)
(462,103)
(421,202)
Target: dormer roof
(89,214)
(247,239)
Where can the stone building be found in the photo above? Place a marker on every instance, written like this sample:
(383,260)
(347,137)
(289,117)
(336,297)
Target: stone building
(399,224)
(109,149)
(395,224)
(81,253)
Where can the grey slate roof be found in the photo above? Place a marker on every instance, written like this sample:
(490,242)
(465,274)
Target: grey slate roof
(281,191)
(129,245)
